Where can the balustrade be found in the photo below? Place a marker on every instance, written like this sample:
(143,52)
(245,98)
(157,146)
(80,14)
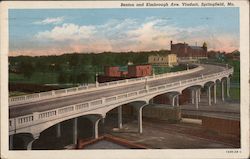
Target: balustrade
(51,94)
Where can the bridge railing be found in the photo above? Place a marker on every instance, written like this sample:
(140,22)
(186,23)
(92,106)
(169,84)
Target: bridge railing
(38,117)
(91,87)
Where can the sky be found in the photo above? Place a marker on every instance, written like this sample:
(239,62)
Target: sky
(37,32)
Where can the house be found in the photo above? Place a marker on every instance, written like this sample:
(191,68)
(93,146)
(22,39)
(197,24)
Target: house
(164,60)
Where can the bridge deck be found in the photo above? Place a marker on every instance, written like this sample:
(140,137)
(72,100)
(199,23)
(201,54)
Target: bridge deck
(47,104)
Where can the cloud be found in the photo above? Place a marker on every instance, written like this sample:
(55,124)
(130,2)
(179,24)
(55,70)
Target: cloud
(56,20)
(126,35)
(66,32)
(157,34)
(224,42)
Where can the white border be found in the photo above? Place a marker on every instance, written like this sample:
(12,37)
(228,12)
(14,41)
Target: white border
(122,154)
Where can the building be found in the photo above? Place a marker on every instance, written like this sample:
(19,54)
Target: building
(166,60)
(183,50)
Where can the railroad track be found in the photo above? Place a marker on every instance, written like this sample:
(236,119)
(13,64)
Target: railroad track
(182,131)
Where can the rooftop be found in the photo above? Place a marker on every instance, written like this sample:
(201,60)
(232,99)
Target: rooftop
(108,142)
(196,47)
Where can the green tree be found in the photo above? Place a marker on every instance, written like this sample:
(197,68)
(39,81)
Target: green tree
(74,60)
(26,68)
(62,77)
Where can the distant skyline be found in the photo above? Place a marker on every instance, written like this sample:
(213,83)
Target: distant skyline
(36,32)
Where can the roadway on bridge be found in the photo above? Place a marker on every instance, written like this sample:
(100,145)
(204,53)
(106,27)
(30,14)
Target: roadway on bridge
(48,104)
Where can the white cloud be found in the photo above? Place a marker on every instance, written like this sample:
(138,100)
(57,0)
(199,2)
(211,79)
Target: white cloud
(67,32)
(156,34)
(56,20)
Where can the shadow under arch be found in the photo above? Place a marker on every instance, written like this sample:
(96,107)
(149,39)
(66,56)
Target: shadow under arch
(20,141)
(48,139)
(164,98)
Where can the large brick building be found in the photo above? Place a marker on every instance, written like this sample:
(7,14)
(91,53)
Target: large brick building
(183,50)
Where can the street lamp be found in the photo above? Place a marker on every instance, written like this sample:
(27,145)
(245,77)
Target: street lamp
(187,67)
(153,72)
(146,82)
(96,80)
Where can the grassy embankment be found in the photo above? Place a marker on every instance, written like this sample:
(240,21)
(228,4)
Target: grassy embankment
(36,78)
(235,79)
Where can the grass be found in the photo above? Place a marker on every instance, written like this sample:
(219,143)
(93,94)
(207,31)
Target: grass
(36,78)
(16,93)
(165,69)
(234,93)
(236,74)
(161,69)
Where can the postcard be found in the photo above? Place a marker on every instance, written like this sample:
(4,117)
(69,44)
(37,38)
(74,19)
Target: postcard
(124,79)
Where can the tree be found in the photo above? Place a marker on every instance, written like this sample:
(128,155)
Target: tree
(41,66)
(26,68)
(74,60)
(62,77)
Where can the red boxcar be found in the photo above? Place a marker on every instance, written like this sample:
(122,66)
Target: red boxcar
(139,70)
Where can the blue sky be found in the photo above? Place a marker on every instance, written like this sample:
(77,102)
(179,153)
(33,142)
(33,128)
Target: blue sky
(56,31)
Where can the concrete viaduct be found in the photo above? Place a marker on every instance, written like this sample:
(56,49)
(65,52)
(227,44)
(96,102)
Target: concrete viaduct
(35,113)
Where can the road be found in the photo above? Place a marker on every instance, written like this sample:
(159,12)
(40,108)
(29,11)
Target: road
(48,104)
(225,110)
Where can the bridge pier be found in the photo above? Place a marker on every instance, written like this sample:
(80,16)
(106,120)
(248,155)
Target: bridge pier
(29,146)
(174,99)
(120,117)
(209,94)
(192,96)
(215,100)
(58,130)
(228,86)
(11,142)
(95,120)
(222,91)
(95,128)
(140,118)
(199,95)
(196,99)
(177,100)
(195,96)
(75,132)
